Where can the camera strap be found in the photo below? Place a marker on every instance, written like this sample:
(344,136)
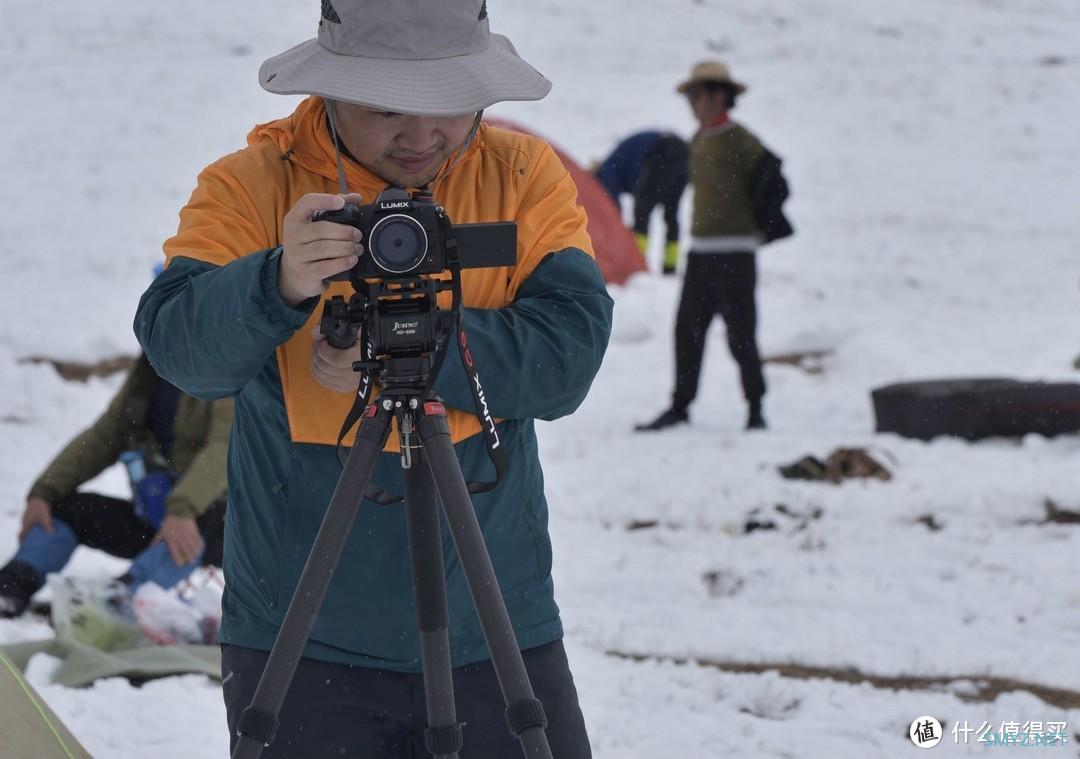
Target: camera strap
(492,444)
(495,451)
(455,330)
(363,394)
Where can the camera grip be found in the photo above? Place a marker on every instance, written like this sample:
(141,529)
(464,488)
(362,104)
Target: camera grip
(348,214)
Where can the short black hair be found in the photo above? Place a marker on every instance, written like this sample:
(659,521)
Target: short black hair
(727,88)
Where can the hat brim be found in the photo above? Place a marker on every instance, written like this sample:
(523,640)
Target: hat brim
(441,87)
(682,88)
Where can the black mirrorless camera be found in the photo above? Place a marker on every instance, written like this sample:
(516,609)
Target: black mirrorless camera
(405,236)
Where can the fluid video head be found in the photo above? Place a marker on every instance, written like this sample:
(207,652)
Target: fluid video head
(394,312)
(406,235)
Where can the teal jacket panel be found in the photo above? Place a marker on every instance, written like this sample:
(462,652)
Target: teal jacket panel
(213,331)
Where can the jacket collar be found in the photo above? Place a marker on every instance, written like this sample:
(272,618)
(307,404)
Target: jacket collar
(717,125)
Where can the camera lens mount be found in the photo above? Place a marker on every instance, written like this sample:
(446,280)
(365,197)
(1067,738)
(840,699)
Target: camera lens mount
(398,243)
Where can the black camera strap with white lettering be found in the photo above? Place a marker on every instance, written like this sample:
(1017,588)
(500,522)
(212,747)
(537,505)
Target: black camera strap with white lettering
(455,330)
(496,452)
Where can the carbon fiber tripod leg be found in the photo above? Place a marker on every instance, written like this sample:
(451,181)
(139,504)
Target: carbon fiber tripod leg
(524,712)
(259,721)
(443,737)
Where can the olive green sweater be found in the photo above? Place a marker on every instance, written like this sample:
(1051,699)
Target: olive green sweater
(721,160)
(199,450)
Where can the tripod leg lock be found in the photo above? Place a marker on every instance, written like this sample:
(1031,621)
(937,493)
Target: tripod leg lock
(258,725)
(442,741)
(523,714)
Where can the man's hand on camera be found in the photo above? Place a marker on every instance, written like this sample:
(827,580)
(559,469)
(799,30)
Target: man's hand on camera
(314,251)
(332,367)
(181,535)
(37,511)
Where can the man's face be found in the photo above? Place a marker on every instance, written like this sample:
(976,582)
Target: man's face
(406,151)
(707,106)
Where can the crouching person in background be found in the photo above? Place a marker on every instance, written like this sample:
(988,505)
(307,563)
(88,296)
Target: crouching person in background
(653,168)
(174,448)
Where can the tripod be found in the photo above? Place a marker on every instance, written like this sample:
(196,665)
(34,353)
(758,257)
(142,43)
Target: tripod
(431,474)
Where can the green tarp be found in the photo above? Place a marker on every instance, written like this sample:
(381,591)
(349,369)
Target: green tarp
(82,664)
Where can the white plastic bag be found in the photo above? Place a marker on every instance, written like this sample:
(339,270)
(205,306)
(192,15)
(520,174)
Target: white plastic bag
(190,612)
(94,611)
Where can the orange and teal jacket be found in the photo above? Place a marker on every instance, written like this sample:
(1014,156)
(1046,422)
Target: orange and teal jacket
(215,325)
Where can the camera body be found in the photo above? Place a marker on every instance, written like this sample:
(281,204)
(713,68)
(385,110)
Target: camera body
(405,235)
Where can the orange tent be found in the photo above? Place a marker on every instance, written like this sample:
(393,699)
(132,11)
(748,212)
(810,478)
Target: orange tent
(616,253)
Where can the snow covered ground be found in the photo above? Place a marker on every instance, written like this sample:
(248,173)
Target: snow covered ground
(935,170)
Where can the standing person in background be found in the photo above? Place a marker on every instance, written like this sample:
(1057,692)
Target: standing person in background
(738,194)
(174,447)
(651,166)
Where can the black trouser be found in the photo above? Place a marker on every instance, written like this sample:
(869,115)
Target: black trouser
(351,712)
(717,283)
(661,182)
(111,525)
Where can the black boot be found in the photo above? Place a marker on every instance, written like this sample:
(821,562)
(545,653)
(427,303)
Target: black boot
(669,418)
(18,583)
(755,420)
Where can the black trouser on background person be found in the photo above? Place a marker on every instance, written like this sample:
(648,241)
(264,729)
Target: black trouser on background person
(352,711)
(101,522)
(661,182)
(718,283)
(110,524)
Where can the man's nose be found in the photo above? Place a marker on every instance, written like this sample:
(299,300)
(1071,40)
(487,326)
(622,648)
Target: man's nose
(419,134)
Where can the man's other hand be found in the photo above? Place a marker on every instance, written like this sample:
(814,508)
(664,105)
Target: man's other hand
(182,537)
(314,251)
(37,511)
(332,367)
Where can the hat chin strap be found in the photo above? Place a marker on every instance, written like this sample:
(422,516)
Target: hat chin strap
(461,151)
(343,186)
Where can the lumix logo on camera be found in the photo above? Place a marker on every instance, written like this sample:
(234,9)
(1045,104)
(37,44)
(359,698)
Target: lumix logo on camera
(392,205)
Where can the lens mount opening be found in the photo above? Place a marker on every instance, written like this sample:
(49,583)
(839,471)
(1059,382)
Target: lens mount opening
(398,243)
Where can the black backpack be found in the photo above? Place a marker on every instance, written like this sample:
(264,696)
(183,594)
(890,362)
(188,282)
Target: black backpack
(768,191)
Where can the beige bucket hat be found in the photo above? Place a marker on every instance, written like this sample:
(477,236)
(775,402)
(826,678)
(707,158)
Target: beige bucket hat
(420,57)
(710,71)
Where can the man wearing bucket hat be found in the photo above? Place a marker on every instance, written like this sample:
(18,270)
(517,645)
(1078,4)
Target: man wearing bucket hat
(738,193)
(396,90)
